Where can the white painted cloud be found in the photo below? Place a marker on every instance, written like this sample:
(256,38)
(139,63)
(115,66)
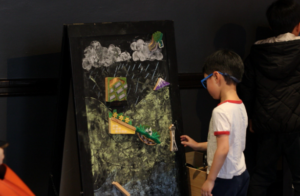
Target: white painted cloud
(142,52)
(96,55)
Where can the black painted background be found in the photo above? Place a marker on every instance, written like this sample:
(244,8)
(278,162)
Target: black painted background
(80,37)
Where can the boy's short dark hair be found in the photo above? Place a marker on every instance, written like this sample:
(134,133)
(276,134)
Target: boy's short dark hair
(283,16)
(225,61)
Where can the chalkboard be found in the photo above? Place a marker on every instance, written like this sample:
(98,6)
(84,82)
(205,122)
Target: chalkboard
(102,50)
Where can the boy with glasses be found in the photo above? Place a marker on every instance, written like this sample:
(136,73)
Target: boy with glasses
(271,93)
(227,173)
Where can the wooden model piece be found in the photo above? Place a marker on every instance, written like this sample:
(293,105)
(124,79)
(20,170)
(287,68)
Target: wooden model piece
(161,83)
(118,186)
(146,140)
(147,135)
(115,89)
(119,127)
(173,145)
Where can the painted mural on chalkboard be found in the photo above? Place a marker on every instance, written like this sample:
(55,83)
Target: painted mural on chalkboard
(139,160)
(96,55)
(140,168)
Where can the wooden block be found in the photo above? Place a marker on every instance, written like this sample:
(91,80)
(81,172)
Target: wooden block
(109,126)
(124,127)
(194,158)
(118,186)
(110,89)
(171,138)
(106,89)
(196,179)
(123,123)
(171,142)
(158,80)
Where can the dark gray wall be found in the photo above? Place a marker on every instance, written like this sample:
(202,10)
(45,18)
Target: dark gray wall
(31,36)
(35,27)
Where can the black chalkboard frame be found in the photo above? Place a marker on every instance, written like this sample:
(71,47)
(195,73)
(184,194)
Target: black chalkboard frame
(77,31)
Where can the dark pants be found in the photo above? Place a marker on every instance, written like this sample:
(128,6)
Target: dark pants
(269,148)
(237,186)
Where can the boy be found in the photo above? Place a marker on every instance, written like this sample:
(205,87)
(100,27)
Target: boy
(271,93)
(227,174)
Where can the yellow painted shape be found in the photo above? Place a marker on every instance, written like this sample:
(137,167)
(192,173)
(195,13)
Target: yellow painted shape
(118,128)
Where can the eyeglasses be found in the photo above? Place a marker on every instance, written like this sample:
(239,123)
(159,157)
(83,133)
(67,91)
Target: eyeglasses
(203,81)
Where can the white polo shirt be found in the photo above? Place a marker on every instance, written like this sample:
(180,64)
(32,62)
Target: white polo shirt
(230,118)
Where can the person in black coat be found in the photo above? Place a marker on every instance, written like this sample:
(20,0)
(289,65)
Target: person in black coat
(270,90)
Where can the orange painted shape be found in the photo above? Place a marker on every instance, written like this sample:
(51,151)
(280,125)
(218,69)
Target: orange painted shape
(12,185)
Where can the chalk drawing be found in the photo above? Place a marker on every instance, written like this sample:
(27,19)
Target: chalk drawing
(96,55)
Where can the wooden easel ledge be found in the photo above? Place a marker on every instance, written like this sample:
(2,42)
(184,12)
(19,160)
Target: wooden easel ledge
(121,188)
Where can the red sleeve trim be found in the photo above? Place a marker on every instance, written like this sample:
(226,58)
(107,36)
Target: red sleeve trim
(221,133)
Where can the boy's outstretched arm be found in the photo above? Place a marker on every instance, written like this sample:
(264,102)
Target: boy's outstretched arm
(187,141)
(218,161)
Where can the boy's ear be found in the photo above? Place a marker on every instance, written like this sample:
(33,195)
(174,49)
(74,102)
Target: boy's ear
(296,30)
(217,75)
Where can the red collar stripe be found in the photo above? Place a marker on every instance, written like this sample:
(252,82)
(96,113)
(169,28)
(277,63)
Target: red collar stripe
(231,101)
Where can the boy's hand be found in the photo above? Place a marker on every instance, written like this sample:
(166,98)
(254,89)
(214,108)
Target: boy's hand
(207,187)
(187,141)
